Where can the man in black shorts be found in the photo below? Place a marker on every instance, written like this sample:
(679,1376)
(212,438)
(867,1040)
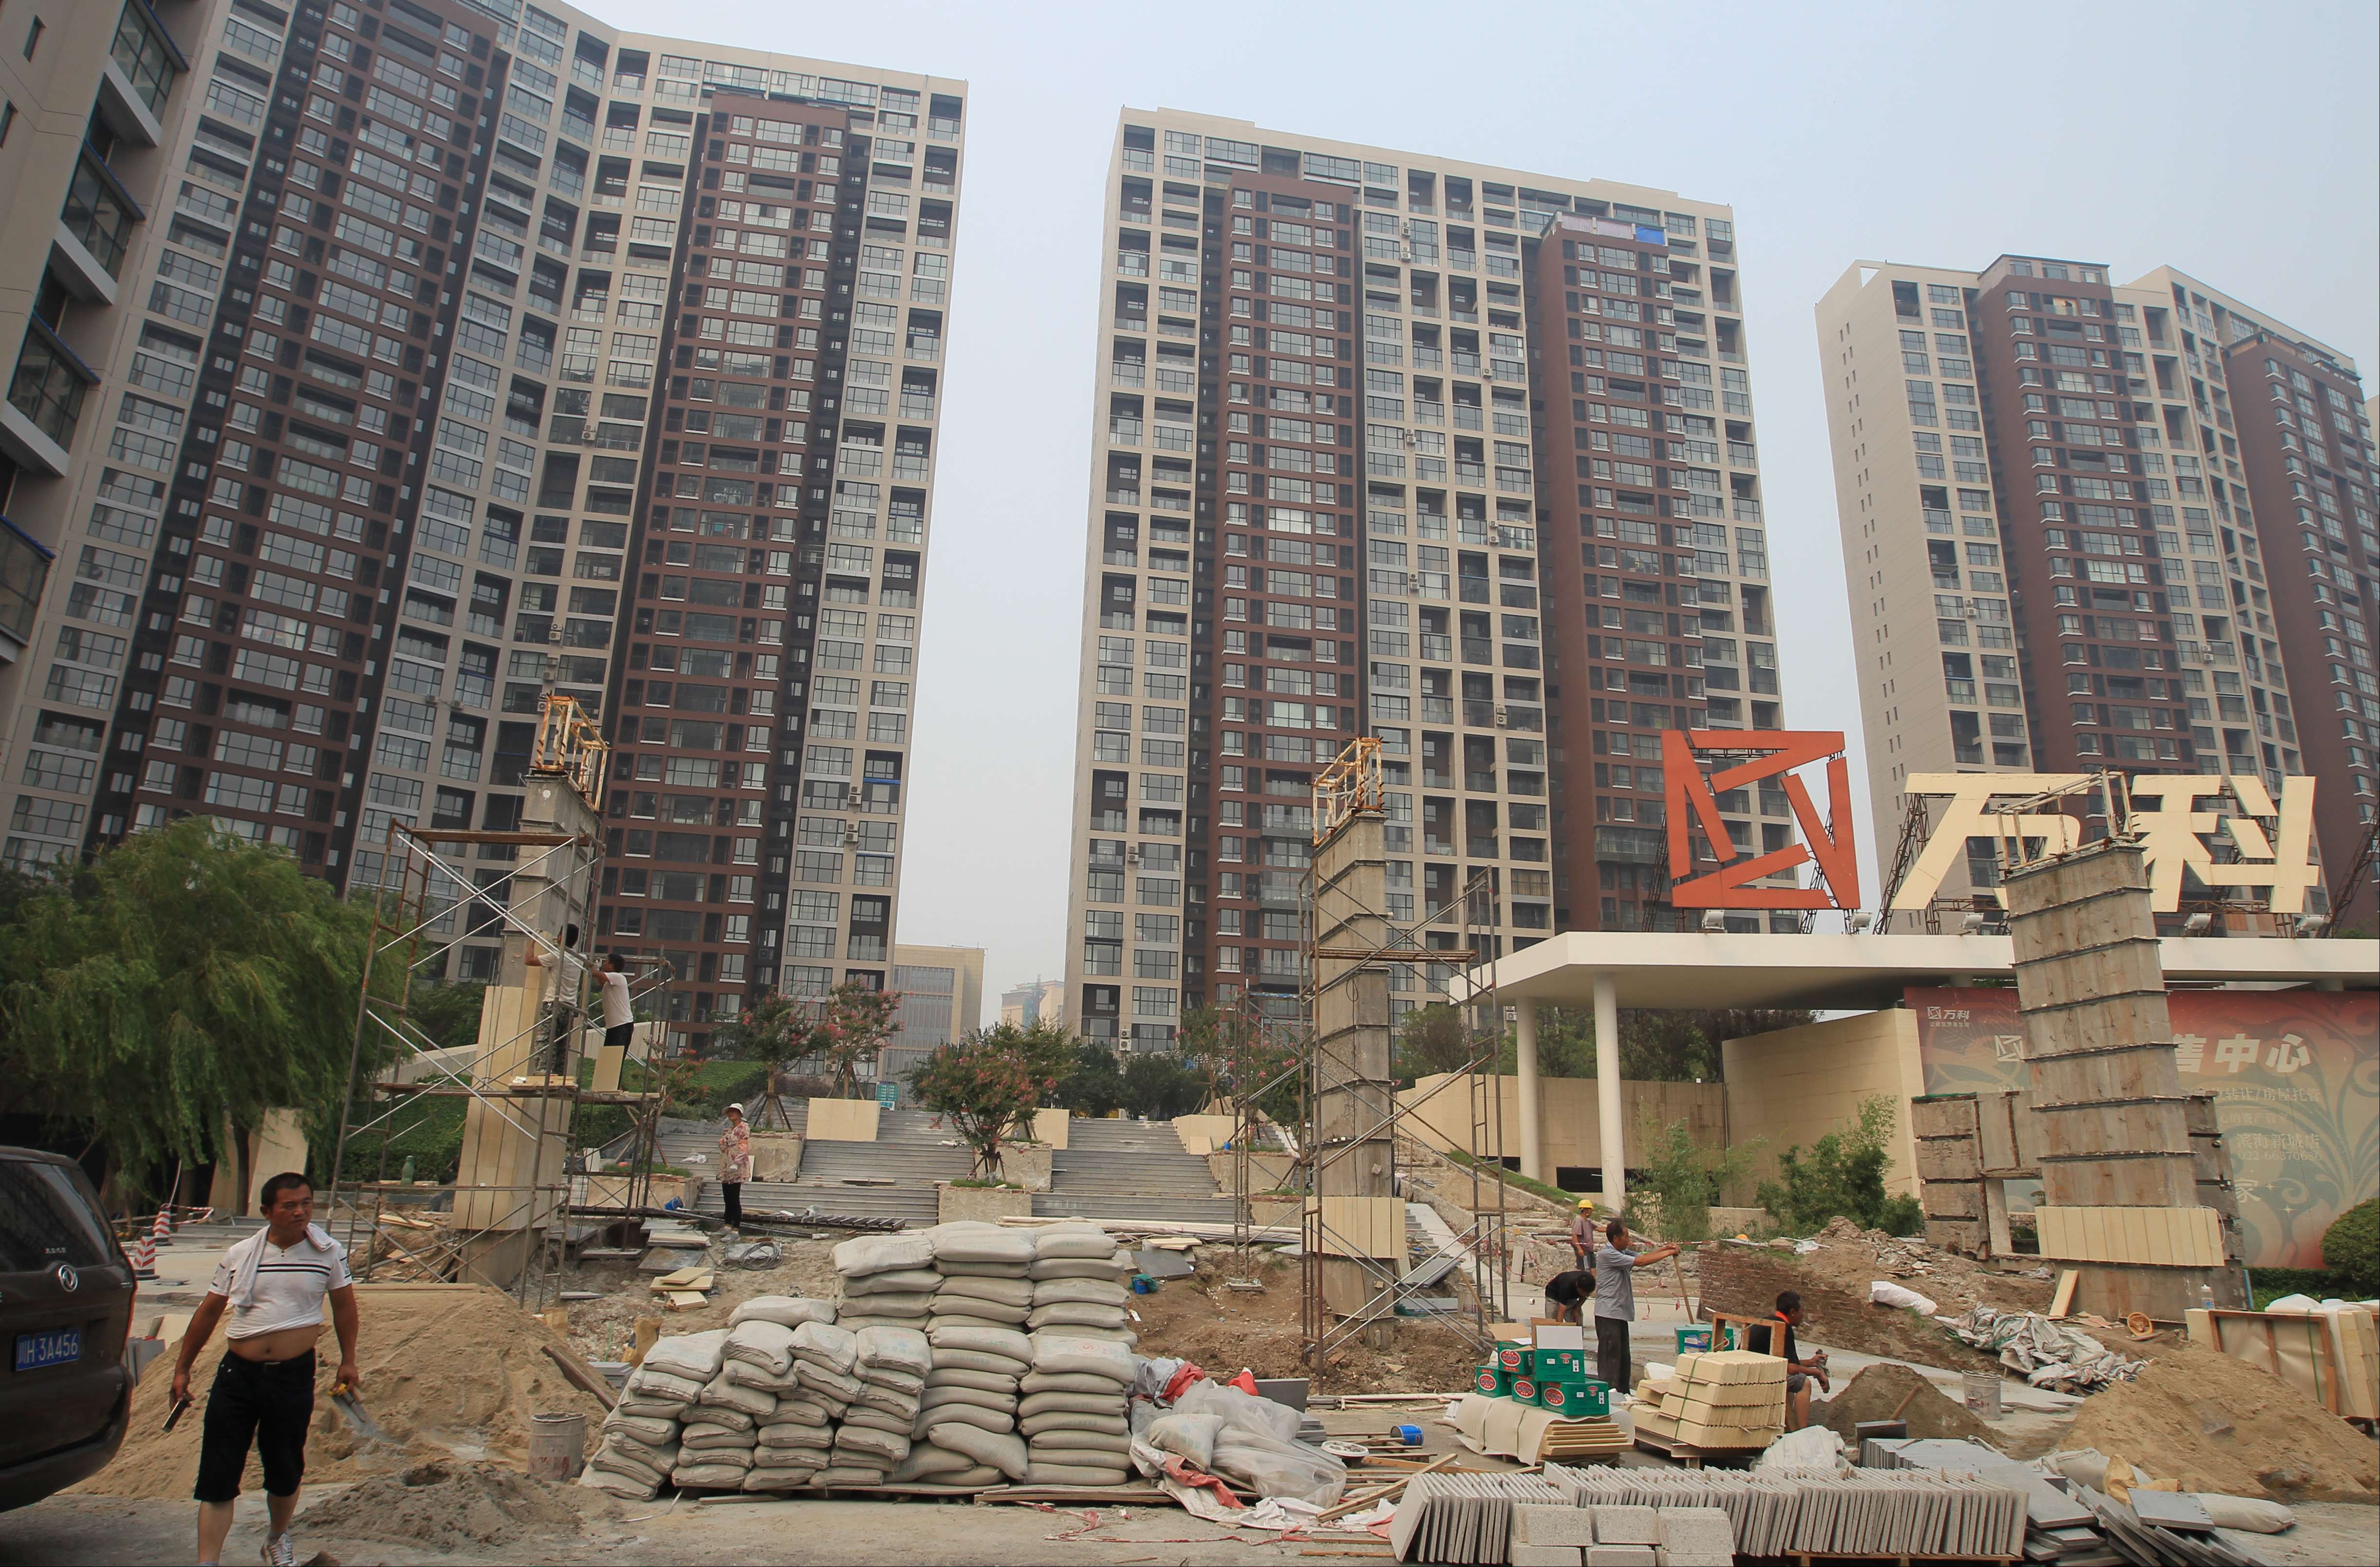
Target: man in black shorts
(1566,1292)
(274,1283)
(1798,1371)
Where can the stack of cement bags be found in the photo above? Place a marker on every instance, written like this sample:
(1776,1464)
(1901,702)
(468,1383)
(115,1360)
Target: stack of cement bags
(789,1438)
(1074,1414)
(641,1448)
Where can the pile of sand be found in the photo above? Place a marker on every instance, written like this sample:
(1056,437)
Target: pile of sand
(454,1506)
(2216,1424)
(1222,1329)
(1875,1392)
(449,1371)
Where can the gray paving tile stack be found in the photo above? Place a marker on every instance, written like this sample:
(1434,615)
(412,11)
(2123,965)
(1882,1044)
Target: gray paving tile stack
(1466,1519)
(1867,1511)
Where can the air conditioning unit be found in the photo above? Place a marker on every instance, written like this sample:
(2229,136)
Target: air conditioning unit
(1503,718)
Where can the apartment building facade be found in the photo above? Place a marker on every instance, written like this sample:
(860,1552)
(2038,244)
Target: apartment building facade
(2089,524)
(489,351)
(1398,445)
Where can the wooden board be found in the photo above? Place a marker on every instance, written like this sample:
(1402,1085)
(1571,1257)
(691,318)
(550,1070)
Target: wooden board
(841,1121)
(2153,1237)
(2064,1299)
(1372,1227)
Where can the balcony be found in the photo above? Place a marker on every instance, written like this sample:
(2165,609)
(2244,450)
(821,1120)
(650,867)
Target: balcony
(95,230)
(45,399)
(1478,649)
(142,60)
(1126,372)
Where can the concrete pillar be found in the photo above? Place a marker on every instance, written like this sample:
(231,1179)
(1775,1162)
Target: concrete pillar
(1533,1157)
(1607,1091)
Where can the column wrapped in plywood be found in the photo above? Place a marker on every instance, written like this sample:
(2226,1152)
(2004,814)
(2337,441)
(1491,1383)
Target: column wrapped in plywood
(1943,1128)
(1354,1095)
(2112,1121)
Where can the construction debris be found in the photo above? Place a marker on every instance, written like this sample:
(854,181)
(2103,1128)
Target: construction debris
(2046,1354)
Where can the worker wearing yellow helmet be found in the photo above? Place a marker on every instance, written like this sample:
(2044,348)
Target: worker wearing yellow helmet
(1582,1233)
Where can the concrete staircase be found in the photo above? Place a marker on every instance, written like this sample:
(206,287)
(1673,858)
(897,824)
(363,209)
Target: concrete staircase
(908,1151)
(1130,1169)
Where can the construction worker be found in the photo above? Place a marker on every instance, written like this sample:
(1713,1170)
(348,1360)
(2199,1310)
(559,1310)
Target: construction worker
(1567,1293)
(273,1282)
(734,1164)
(1582,1234)
(1798,1371)
(1615,1300)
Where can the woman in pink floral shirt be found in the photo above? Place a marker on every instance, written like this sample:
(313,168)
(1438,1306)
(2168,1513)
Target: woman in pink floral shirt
(735,1163)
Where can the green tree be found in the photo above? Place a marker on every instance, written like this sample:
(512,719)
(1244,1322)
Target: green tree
(1680,1178)
(2350,1248)
(773,1029)
(845,1030)
(1236,1054)
(1433,1041)
(1090,1085)
(447,1013)
(1159,1086)
(182,980)
(988,1082)
(1843,1176)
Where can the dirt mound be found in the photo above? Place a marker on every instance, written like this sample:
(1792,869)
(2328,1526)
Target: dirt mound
(449,1371)
(1875,1392)
(1198,1320)
(455,1506)
(2216,1424)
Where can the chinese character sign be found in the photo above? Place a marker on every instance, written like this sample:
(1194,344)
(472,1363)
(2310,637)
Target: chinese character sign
(2219,850)
(2296,1080)
(1757,754)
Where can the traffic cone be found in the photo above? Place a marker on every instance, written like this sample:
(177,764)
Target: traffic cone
(161,1231)
(144,1258)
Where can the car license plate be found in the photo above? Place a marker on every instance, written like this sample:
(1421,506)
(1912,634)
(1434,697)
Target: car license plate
(59,1346)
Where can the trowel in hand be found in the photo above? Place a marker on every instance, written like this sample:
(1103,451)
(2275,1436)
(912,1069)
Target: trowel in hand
(344,1398)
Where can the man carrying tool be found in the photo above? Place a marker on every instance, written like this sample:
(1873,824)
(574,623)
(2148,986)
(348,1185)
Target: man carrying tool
(1615,1300)
(1798,1371)
(262,1396)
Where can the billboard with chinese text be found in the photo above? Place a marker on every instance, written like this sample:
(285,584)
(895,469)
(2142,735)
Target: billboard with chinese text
(2296,1079)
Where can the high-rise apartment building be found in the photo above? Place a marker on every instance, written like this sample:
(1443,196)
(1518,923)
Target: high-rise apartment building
(415,358)
(1390,443)
(2088,524)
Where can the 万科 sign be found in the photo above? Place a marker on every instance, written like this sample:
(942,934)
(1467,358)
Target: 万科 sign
(1765,753)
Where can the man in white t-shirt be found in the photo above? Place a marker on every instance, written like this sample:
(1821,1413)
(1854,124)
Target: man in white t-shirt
(619,1011)
(274,1283)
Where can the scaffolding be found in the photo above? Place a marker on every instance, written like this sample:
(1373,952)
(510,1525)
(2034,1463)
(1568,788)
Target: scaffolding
(504,1217)
(1346,794)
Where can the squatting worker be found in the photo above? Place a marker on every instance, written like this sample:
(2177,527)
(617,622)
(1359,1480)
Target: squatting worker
(619,1012)
(735,1163)
(1615,1300)
(1566,1292)
(1798,1371)
(273,1282)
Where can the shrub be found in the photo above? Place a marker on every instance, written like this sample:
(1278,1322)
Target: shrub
(1680,1178)
(1842,1175)
(2350,1248)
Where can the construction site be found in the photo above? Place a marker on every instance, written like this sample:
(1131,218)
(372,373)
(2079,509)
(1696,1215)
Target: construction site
(1240,1335)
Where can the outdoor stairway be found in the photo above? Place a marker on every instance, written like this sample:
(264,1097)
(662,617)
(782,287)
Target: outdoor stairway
(1130,1169)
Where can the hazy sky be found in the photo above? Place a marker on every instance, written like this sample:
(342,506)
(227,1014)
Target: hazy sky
(2235,142)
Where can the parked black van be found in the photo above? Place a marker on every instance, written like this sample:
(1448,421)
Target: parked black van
(66,1311)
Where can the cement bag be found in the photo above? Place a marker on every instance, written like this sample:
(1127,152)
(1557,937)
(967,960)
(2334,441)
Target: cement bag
(613,1483)
(1189,1436)
(951,1270)
(868,1417)
(982,1340)
(1884,1292)
(899,1280)
(790,1310)
(888,1303)
(744,1374)
(663,1409)
(1242,1411)
(894,1349)
(978,1361)
(974,1414)
(708,1438)
(906,1383)
(1005,1454)
(1040,1473)
(1010,1247)
(856,1319)
(1083,1292)
(644,1428)
(725,1394)
(786,1479)
(720,1415)
(824,1345)
(926,1462)
(1060,1422)
(656,1386)
(804,1410)
(1812,1447)
(1045,1269)
(1001,1291)
(841,1475)
(1123,1336)
(709,1477)
(937,1394)
(694,1357)
(943,1376)
(866,1444)
(830,1387)
(1099,1357)
(1108,1401)
(881,1254)
(769,1345)
(1074,1314)
(1270,1466)
(1079,1241)
(969,1313)
(1066,1382)
(2251,1513)
(780,1435)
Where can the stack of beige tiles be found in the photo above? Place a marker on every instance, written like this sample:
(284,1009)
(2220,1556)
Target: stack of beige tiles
(1723,1399)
